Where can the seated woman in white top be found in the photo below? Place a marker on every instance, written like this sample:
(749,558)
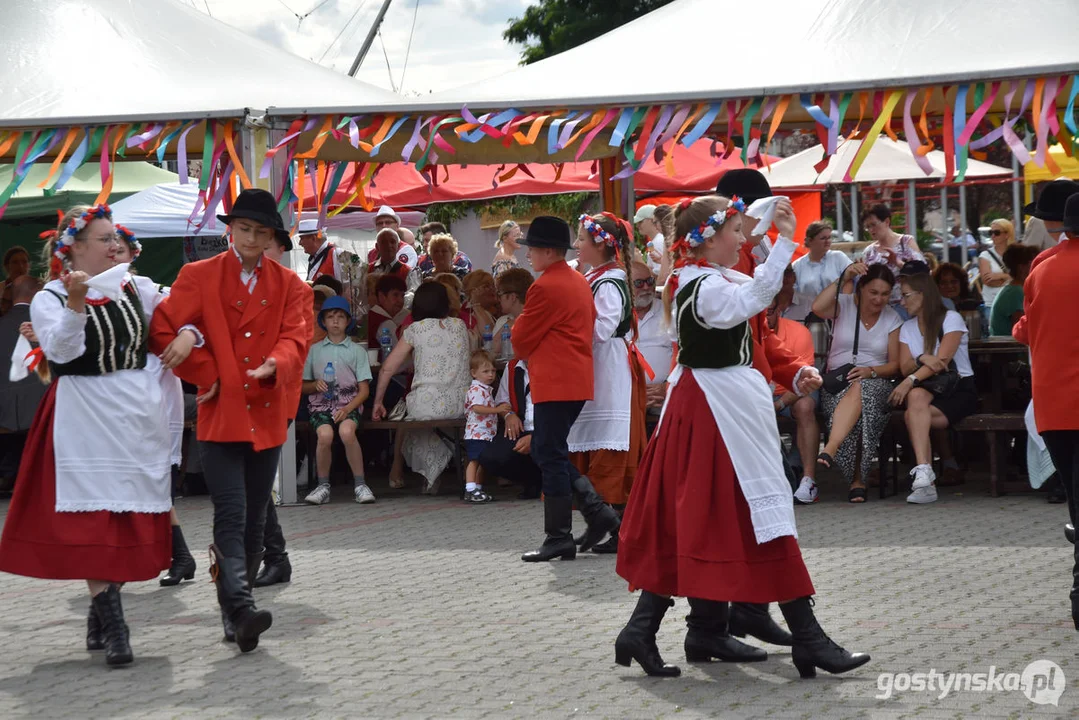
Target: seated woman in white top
(865,339)
(933,342)
(816,270)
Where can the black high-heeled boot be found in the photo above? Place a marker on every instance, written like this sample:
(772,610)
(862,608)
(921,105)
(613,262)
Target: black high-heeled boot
(94,639)
(183,565)
(601,517)
(754,619)
(558,526)
(812,647)
(114,629)
(609,547)
(707,636)
(637,641)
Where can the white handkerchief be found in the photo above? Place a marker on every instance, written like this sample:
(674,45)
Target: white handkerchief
(108,283)
(18,369)
(764,211)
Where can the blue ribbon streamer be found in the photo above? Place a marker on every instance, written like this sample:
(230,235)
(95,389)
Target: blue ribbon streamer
(1069,110)
(474,136)
(619,133)
(702,125)
(393,130)
(814,110)
(959,121)
(77,159)
(552,132)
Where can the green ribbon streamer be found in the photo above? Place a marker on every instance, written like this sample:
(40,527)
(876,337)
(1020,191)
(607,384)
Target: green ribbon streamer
(747,125)
(627,141)
(207,155)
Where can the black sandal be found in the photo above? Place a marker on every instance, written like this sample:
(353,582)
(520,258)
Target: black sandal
(856,495)
(825,460)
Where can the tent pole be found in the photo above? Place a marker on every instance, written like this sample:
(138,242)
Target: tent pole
(616,196)
(963,229)
(944,223)
(855,226)
(1017,207)
(839,211)
(912,210)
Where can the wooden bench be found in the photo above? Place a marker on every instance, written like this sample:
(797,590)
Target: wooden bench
(455,426)
(992,424)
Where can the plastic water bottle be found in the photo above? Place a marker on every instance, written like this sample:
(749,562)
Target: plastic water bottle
(385,342)
(488,337)
(507,344)
(329,376)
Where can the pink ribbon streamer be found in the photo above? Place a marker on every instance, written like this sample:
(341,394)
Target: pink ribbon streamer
(181,154)
(1048,98)
(976,117)
(611,114)
(912,135)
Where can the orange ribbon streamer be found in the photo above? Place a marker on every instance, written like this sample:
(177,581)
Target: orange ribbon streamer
(230,145)
(55,167)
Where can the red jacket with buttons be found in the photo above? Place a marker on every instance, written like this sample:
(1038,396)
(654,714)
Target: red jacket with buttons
(241,330)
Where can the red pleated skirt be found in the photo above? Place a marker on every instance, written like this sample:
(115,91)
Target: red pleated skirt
(687,529)
(39,542)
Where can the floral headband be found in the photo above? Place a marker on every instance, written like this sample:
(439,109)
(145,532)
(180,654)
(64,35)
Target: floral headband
(708,228)
(599,235)
(129,237)
(66,238)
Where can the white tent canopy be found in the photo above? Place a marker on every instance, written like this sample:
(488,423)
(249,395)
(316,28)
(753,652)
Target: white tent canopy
(887,160)
(103,61)
(693,50)
(162,211)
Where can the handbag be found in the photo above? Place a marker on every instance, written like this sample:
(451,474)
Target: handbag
(835,380)
(942,384)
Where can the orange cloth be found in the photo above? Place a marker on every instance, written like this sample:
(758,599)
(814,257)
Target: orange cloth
(612,471)
(1020,331)
(795,337)
(241,330)
(312,331)
(771,357)
(1054,345)
(554,335)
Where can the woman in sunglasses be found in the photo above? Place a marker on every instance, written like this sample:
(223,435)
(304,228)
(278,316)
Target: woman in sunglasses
(991,268)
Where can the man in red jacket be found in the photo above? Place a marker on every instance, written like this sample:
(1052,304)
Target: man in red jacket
(252,316)
(554,335)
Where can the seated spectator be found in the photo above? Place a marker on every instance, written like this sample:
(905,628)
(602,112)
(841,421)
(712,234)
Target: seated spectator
(481,300)
(481,422)
(425,265)
(932,347)
(954,285)
(865,343)
(329,281)
(509,454)
(335,403)
(16,265)
(797,338)
(441,250)
(653,338)
(18,400)
(816,270)
(439,348)
(509,233)
(387,261)
(993,270)
(387,219)
(512,285)
(389,301)
(1008,307)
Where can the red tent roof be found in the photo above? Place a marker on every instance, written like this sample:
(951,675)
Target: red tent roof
(697,170)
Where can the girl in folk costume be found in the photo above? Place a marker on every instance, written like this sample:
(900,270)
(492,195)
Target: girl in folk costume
(92,500)
(711,516)
(607,440)
(172,392)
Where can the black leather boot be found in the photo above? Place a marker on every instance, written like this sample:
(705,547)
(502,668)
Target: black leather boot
(754,619)
(610,547)
(113,628)
(600,516)
(707,636)
(183,565)
(94,639)
(637,641)
(274,573)
(237,604)
(812,648)
(558,524)
(1069,533)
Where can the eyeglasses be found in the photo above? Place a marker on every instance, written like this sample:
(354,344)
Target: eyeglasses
(644,282)
(908,294)
(994,233)
(109,240)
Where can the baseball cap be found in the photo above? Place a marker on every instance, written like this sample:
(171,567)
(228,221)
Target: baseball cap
(644,212)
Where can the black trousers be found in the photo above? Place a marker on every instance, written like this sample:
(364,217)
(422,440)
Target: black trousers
(499,459)
(550,448)
(240,481)
(273,537)
(1063,447)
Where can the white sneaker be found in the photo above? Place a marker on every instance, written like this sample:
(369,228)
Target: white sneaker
(923,489)
(319,496)
(364,496)
(807,493)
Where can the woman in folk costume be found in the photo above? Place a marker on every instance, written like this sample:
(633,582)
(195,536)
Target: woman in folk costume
(253,316)
(92,500)
(172,393)
(608,438)
(711,516)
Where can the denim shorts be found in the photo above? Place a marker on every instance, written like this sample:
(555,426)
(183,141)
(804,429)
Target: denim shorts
(786,412)
(473,448)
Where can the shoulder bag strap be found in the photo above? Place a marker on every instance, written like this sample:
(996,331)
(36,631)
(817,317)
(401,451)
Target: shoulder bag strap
(835,319)
(993,254)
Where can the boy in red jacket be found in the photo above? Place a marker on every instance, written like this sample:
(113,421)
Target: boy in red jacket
(252,316)
(554,335)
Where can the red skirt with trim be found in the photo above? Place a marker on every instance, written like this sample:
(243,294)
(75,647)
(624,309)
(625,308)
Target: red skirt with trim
(687,529)
(39,542)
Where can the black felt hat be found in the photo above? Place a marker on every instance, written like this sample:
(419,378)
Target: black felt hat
(1071,214)
(548,232)
(1051,200)
(259,205)
(747,183)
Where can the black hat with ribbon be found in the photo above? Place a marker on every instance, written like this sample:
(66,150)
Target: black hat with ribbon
(747,183)
(548,232)
(1051,200)
(1071,214)
(258,205)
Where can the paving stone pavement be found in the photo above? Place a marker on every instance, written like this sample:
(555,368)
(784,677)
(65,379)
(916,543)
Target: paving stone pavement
(418,607)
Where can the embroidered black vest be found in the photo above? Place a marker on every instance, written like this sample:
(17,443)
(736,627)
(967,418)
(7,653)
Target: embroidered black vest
(115,337)
(626,320)
(700,346)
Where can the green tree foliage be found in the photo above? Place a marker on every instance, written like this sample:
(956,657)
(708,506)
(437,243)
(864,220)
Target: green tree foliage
(549,27)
